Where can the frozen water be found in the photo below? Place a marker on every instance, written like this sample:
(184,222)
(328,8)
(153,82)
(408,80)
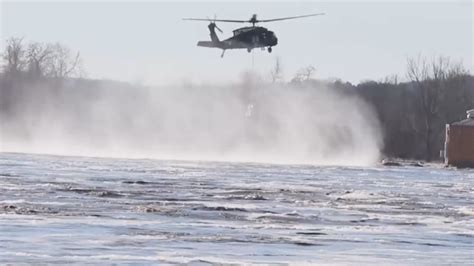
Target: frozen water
(57,209)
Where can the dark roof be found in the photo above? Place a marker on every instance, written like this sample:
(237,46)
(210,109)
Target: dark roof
(465,123)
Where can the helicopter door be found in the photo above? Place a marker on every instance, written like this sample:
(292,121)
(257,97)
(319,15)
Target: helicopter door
(255,40)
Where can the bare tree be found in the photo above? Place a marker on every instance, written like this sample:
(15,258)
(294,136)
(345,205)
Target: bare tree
(304,74)
(38,57)
(430,81)
(14,56)
(418,73)
(62,62)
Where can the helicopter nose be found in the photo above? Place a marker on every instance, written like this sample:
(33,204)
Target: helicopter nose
(274,39)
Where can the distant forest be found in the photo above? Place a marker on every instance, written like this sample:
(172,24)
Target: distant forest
(412,113)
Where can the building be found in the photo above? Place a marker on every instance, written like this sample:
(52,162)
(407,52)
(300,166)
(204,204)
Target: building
(459,145)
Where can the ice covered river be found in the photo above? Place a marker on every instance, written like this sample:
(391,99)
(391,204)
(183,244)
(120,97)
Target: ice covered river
(80,210)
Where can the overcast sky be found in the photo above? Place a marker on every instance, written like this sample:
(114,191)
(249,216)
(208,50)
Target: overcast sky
(148,43)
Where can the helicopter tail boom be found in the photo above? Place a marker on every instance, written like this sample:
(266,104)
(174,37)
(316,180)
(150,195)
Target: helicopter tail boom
(210,44)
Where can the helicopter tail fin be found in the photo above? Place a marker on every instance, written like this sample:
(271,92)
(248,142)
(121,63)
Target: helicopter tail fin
(215,42)
(212,30)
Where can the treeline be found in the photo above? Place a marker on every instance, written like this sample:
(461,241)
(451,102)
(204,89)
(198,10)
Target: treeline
(412,113)
(25,67)
(36,60)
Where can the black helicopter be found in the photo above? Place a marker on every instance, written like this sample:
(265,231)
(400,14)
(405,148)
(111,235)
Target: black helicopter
(246,37)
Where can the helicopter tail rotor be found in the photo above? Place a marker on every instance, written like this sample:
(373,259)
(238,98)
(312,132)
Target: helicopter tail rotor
(219,29)
(213,23)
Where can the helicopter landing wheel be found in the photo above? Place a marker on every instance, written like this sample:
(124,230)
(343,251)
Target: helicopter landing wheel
(269,49)
(249,50)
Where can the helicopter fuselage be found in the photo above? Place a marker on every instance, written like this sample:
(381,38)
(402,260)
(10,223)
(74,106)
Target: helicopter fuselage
(244,38)
(251,37)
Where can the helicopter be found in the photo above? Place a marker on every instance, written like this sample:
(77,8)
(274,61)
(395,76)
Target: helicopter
(246,37)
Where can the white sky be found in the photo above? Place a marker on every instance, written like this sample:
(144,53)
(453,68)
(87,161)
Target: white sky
(147,42)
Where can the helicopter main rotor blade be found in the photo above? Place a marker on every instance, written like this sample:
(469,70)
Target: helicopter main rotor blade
(219,20)
(208,19)
(303,16)
(254,19)
(198,19)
